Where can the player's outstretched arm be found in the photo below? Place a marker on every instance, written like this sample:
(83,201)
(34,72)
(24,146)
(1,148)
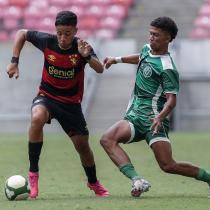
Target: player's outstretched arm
(131,59)
(12,68)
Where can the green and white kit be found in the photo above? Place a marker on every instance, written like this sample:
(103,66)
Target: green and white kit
(156,75)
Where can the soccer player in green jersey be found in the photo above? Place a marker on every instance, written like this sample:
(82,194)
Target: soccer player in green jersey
(153,99)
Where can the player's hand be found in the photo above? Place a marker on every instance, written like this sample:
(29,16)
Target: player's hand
(84,48)
(108,61)
(156,124)
(13,70)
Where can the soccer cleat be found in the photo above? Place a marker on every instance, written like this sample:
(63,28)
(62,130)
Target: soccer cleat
(33,178)
(139,186)
(99,189)
(209,190)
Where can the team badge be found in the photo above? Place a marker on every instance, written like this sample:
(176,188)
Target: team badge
(147,72)
(51,58)
(73,59)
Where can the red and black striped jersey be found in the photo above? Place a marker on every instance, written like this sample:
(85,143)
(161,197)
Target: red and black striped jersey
(63,70)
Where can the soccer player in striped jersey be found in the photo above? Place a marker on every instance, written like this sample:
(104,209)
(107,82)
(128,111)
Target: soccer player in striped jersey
(153,99)
(60,92)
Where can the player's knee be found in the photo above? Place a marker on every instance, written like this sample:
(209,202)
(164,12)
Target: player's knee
(37,120)
(168,167)
(106,141)
(83,149)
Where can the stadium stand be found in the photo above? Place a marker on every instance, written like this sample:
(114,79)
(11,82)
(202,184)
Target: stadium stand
(101,18)
(201,28)
(136,25)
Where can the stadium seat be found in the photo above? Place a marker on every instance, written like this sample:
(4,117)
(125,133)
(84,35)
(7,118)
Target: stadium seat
(4,3)
(13,12)
(202,22)
(105,34)
(101,2)
(88,23)
(1,13)
(10,24)
(19,3)
(46,25)
(40,4)
(30,23)
(52,12)
(33,13)
(205,10)
(84,34)
(126,3)
(200,33)
(96,11)
(60,3)
(116,11)
(77,9)
(82,3)
(110,23)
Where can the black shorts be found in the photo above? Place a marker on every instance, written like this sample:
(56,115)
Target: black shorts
(69,116)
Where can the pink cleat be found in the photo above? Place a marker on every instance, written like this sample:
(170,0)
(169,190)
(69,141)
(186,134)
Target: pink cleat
(33,178)
(99,189)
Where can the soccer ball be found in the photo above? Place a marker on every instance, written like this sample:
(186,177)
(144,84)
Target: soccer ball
(17,188)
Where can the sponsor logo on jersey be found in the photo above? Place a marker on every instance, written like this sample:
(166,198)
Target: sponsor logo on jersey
(147,72)
(62,74)
(51,58)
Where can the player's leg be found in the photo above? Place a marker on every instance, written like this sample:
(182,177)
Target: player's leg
(73,122)
(86,155)
(81,144)
(121,132)
(39,116)
(163,155)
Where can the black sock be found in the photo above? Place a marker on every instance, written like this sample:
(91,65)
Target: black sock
(34,150)
(91,174)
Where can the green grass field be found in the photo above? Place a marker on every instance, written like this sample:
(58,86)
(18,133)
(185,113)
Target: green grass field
(63,184)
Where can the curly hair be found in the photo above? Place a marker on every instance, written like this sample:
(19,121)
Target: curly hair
(166,24)
(66,18)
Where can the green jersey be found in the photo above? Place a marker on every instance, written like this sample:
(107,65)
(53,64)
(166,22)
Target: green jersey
(156,75)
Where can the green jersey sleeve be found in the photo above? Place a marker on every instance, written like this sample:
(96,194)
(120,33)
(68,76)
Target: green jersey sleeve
(170,81)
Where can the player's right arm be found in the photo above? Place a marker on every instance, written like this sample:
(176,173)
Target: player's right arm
(131,59)
(12,68)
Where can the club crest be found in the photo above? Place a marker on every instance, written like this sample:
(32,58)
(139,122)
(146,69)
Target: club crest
(147,72)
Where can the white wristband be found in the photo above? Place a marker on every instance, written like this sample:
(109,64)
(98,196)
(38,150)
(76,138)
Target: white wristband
(118,59)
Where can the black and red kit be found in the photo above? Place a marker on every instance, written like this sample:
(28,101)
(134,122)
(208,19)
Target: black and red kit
(63,70)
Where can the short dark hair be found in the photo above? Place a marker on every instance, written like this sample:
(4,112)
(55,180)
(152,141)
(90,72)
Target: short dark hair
(166,24)
(66,18)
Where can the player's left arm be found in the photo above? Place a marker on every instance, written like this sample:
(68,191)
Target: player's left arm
(88,54)
(170,85)
(168,108)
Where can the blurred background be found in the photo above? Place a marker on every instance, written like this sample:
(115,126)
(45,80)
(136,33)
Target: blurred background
(114,28)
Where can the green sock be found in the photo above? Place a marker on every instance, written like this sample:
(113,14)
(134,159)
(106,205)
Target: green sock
(129,171)
(203,175)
